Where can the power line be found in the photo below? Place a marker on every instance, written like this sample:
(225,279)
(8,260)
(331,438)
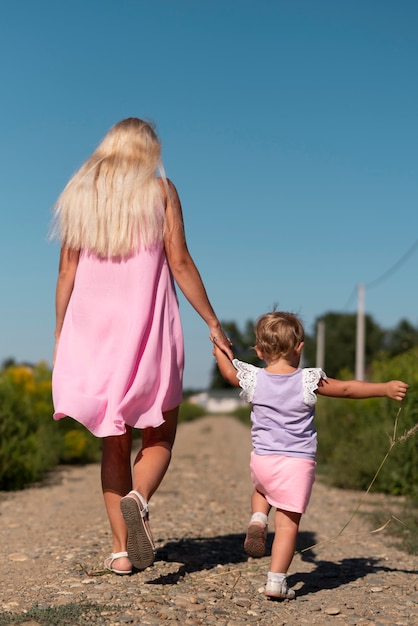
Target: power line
(394,267)
(386,274)
(347,304)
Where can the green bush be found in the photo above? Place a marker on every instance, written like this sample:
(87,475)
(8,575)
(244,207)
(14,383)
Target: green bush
(31,443)
(355,435)
(189,412)
(243,414)
(79,446)
(27,447)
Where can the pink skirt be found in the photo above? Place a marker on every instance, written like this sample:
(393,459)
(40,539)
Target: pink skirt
(285,481)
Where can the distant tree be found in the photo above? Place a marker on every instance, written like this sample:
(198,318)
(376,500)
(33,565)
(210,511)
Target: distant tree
(402,338)
(309,352)
(242,344)
(340,342)
(9,362)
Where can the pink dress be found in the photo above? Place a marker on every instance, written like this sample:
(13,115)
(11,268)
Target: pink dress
(120,356)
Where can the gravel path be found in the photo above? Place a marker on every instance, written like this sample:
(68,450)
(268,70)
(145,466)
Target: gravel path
(54,538)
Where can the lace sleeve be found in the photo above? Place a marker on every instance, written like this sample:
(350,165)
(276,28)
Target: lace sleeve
(311,378)
(247,376)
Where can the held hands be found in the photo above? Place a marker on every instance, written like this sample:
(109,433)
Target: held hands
(396,390)
(223,354)
(221,341)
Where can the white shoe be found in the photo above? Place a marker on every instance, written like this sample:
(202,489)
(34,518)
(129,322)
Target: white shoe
(275,589)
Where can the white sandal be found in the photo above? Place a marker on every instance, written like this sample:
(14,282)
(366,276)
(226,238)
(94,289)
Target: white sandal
(109,562)
(140,544)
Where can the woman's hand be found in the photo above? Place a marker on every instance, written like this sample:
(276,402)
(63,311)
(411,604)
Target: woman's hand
(221,341)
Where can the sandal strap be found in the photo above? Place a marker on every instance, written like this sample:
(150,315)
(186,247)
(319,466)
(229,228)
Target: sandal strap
(144,510)
(118,555)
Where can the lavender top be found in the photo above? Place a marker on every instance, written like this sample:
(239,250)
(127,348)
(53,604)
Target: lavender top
(283,409)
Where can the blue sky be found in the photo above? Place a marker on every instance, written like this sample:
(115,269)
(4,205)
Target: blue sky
(289,128)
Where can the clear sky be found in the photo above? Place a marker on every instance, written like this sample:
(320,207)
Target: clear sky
(288,126)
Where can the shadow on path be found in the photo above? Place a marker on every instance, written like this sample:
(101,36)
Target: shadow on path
(205,553)
(199,554)
(333,574)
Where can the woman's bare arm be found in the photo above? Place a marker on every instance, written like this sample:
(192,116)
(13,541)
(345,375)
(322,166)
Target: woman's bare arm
(185,272)
(66,275)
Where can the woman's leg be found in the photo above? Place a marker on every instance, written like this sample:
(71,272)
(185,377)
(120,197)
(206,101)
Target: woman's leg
(153,459)
(286,526)
(150,466)
(116,482)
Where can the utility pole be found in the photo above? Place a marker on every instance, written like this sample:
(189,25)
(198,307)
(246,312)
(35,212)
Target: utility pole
(360,334)
(320,344)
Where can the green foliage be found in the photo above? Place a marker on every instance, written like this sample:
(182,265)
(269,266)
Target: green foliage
(66,615)
(76,443)
(25,408)
(340,342)
(400,339)
(355,435)
(242,346)
(243,414)
(404,523)
(189,412)
(31,443)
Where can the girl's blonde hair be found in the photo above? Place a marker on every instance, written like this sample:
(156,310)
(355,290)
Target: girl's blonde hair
(114,204)
(277,334)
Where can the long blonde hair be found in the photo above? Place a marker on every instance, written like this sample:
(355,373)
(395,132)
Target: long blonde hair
(114,204)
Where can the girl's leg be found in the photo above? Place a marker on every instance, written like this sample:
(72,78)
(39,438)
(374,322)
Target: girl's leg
(116,482)
(255,539)
(259,503)
(153,459)
(286,526)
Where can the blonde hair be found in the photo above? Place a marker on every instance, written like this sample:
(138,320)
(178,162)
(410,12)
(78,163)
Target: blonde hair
(277,334)
(114,204)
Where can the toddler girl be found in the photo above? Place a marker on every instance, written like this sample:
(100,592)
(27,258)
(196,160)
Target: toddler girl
(282,465)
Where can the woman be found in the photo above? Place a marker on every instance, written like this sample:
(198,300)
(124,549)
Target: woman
(118,358)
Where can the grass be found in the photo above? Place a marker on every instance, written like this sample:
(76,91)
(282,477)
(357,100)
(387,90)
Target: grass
(73,614)
(404,530)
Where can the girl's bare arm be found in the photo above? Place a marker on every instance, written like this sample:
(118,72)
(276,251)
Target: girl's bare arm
(356,389)
(228,371)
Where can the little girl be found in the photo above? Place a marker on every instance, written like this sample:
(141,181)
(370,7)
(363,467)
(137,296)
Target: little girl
(282,465)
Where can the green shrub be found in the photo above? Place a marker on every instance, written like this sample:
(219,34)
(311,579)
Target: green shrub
(79,447)
(27,446)
(77,444)
(189,412)
(355,435)
(31,443)
(243,414)
(80,613)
